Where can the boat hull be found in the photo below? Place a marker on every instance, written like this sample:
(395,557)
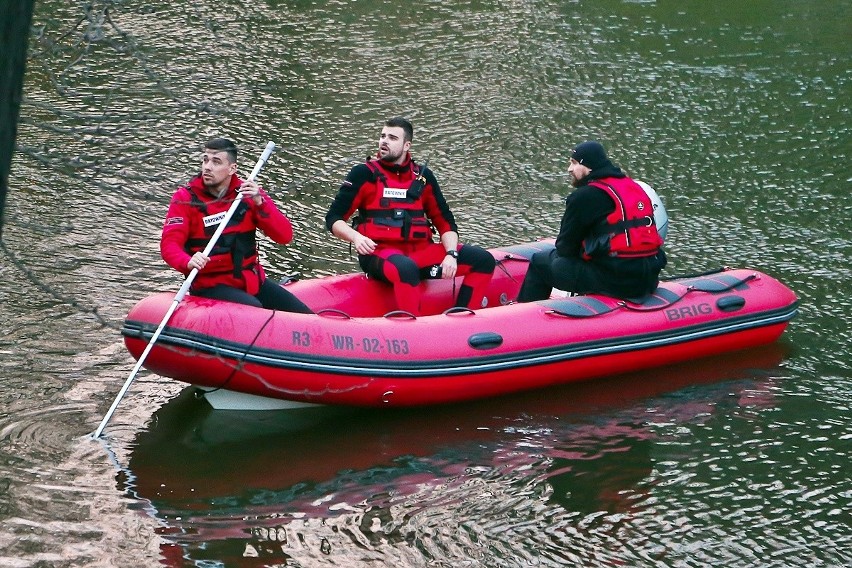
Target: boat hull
(349,355)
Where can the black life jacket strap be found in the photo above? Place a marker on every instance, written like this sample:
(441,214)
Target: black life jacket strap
(239,245)
(392,213)
(606,228)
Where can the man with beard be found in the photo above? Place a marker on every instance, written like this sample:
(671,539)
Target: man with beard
(400,206)
(607,243)
(232,272)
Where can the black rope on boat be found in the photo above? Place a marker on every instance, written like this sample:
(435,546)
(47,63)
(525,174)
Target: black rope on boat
(621,305)
(242,359)
(722,287)
(579,315)
(510,256)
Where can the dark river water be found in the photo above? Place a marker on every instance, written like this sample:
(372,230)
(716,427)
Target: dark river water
(737,112)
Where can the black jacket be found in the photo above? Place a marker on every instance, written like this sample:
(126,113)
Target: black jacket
(585,208)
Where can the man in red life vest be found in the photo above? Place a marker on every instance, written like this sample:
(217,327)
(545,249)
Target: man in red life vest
(607,243)
(232,272)
(398,203)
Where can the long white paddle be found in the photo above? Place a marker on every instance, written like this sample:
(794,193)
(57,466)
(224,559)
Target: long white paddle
(182,292)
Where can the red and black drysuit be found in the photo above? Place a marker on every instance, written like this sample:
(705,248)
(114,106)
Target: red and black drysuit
(234,272)
(401,225)
(607,242)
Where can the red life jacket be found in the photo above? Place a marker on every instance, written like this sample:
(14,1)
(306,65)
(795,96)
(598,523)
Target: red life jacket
(235,253)
(629,231)
(394,213)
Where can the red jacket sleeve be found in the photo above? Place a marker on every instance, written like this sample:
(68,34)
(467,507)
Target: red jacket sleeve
(176,229)
(271,220)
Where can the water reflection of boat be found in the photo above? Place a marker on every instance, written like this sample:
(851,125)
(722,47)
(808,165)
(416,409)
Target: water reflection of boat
(223,482)
(350,354)
(190,452)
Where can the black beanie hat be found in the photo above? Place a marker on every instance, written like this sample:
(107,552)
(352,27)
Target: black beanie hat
(591,154)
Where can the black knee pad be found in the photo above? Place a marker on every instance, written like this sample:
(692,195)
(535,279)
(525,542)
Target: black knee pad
(479,259)
(408,271)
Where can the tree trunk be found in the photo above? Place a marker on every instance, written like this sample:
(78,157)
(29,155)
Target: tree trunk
(15,18)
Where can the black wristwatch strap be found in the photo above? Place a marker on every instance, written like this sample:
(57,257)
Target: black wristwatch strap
(453,253)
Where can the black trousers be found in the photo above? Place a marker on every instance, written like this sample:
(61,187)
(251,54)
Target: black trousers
(621,278)
(270,296)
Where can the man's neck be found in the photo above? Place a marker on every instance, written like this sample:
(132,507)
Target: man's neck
(217,192)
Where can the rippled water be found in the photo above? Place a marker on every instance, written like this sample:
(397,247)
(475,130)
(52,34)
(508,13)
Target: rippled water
(738,113)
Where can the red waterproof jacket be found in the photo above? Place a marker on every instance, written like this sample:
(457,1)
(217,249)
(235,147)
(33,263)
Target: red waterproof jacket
(375,198)
(191,221)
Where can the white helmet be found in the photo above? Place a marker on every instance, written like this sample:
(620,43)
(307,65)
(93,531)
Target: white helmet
(661,218)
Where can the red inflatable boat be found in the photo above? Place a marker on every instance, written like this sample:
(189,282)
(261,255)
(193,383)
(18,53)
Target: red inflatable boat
(357,350)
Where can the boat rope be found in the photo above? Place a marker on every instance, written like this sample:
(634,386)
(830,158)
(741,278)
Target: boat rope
(333,312)
(458,310)
(239,365)
(502,266)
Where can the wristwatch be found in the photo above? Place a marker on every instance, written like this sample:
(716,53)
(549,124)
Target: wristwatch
(453,253)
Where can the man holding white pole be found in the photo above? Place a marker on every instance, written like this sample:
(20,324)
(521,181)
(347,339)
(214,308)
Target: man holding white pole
(232,270)
(216,203)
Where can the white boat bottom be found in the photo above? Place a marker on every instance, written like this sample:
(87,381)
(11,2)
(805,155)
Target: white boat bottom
(223,399)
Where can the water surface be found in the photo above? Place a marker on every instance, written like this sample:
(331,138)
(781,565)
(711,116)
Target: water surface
(736,112)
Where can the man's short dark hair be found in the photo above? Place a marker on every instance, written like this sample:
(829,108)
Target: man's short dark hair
(222,145)
(399,122)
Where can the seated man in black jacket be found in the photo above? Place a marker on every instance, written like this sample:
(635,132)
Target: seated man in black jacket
(608,242)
